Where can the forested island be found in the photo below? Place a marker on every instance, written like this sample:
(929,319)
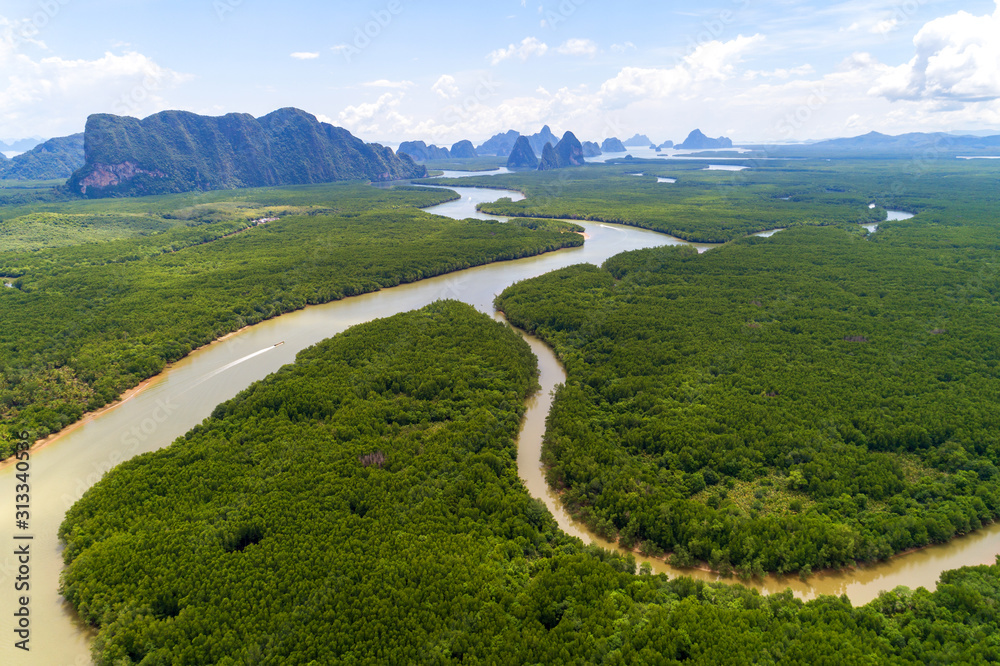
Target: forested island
(702,206)
(106,293)
(819,398)
(363,506)
(809,400)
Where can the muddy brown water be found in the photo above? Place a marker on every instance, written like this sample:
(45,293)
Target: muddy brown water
(170,404)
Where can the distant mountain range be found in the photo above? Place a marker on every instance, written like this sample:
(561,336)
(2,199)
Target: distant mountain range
(421,152)
(974,132)
(567,152)
(638,141)
(51,160)
(19,145)
(178,151)
(502,144)
(908,143)
(697,140)
(613,145)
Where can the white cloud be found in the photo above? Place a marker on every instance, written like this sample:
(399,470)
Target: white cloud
(475,120)
(622,48)
(578,47)
(53,95)
(446,87)
(780,73)
(874,25)
(304,55)
(885,27)
(957,58)
(529,46)
(385,83)
(713,60)
(359,118)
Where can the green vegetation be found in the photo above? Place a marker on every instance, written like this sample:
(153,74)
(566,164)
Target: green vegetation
(56,159)
(702,206)
(480,163)
(564,226)
(89,320)
(363,506)
(178,151)
(36,231)
(30,192)
(791,403)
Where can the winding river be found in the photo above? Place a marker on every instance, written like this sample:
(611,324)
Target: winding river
(169,405)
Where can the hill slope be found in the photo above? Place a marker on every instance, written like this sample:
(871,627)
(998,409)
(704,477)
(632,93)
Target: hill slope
(56,158)
(177,151)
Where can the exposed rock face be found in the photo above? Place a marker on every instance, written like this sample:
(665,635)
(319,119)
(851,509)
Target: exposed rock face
(53,159)
(591,149)
(698,141)
(612,145)
(421,152)
(638,141)
(499,145)
(177,151)
(549,159)
(539,140)
(569,151)
(463,149)
(415,149)
(522,156)
(109,175)
(502,144)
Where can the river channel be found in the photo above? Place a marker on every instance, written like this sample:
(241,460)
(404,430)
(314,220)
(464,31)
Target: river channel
(169,405)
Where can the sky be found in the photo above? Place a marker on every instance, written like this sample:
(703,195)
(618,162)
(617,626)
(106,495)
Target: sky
(395,70)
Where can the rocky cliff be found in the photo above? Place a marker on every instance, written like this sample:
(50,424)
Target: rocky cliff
(421,152)
(591,149)
(51,160)
(569,151)
(177,151)
(463,149)
(549,159)
(612,145)
(522,156)
(696,140)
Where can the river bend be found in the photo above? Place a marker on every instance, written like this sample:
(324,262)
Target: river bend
(170,404)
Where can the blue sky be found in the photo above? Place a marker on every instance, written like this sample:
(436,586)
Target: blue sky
(392,70)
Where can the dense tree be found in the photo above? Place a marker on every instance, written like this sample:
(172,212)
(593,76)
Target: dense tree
(89,320)
(811,399)
(363,506)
